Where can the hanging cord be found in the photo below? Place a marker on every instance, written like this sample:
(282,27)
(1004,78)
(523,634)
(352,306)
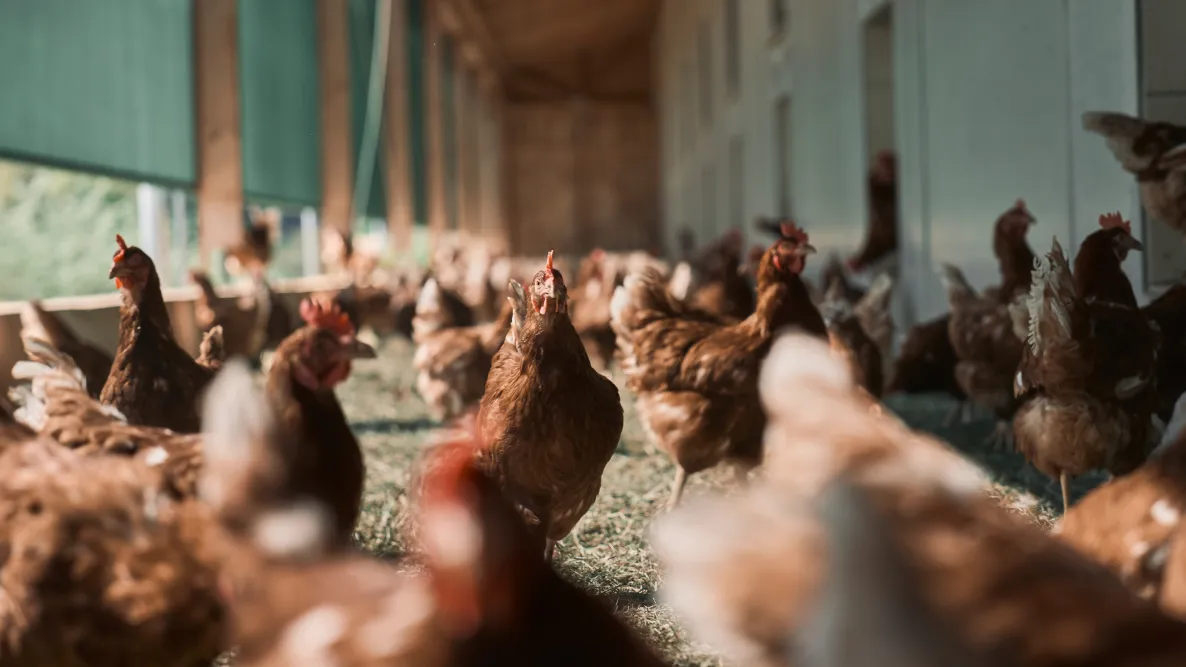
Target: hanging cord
(365,173)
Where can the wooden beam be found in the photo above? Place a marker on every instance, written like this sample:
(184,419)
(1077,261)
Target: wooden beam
(220,141)
(337,152)
(396,139)
(434,121)
(463,126)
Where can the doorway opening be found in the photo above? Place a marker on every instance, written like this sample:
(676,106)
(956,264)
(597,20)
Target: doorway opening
(879,251)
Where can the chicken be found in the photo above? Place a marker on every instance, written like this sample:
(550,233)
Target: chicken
(598,277)
(1089,375)
(438,309)
(253,254)
(153,382)
(552,421)
(846,330)
(249,325)
(881,239)
(756,574)
(834,276)
(1153,152)
(40,324)
(484,597)
(1168,313)
(926,362)
(696,377)
(1129,523)
(721,288)
(452,364)
(324,457)
(986,346)
(1013,253)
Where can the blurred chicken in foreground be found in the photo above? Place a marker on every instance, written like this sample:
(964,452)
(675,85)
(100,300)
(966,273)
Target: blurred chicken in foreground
(484,595)
(759,575)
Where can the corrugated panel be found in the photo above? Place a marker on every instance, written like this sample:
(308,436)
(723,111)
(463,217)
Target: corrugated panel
(281,110)
(417,126)
(448,103)
(102,86)
(362,38)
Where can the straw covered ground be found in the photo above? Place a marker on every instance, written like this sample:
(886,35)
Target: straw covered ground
(608,553)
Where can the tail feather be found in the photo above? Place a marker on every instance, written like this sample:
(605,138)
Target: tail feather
(959,290)
(51,375)
(1051,301)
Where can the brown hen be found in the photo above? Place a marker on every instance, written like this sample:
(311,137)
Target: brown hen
(452,364)
(696,378)
(153,382)
(552,421)
(1089,374)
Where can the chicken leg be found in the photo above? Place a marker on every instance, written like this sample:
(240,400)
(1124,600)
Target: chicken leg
(1001,437)
(1064,480)
(549,550)
(677,487)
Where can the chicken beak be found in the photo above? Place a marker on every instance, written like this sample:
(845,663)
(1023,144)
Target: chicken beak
(118,271)
(806,249)
(360,350)
(1129,242)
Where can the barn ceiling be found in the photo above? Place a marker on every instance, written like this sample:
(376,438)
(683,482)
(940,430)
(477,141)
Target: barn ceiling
(563,49)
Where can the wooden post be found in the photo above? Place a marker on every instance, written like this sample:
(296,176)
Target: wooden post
(337,154)
(462,123)
(434,121)
(487,154)
(220,141)
(396,139)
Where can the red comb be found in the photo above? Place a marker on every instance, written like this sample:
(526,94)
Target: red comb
(791,232)
(597,255)
(332,318)
(1112,220)
(123,247)
(548,267)
(1020,204)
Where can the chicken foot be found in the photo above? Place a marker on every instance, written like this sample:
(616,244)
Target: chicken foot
(1001,437)
(961,411)
(677,487)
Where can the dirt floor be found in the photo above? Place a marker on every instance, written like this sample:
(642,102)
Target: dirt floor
(607,554)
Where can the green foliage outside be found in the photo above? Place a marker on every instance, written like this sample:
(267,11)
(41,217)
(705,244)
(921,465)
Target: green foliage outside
(58,229)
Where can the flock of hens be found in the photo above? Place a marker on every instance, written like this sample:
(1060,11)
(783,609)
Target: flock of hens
(160,509)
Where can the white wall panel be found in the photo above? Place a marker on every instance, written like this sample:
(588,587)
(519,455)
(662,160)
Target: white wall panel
(987,99)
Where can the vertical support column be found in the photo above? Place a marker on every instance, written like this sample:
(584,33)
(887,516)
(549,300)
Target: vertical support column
(337,154)
(179,233)
(220,142)
(434,120)
(499,184)
(463,114)
(396,134)
(487,157)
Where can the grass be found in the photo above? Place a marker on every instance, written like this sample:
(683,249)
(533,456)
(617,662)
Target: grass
(607,554)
